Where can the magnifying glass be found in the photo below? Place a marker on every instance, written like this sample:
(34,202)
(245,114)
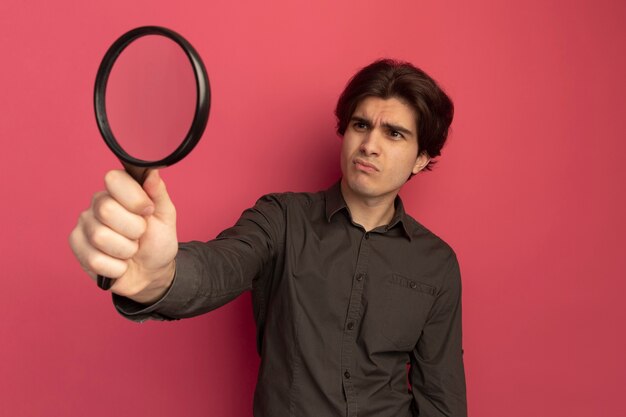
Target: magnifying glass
(152,99)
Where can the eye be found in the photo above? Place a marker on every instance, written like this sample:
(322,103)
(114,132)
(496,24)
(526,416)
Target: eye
(359,126)
(395,134)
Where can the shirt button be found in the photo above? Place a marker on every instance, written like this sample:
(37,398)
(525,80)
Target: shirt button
(367,235)
(351,325)
(413,284)
(346,374)
(360,277)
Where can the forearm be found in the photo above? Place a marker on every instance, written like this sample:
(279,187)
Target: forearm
(210,274)
(198,284)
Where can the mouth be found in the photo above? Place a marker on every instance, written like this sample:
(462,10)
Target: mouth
(365,166)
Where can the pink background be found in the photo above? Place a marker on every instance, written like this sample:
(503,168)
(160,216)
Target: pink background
(529,191)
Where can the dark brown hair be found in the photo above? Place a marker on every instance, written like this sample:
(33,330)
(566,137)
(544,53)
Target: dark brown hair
(387,78)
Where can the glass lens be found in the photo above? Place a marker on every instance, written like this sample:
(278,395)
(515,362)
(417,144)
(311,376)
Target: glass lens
(151,97)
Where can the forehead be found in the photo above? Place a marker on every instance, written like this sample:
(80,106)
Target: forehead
(389,110)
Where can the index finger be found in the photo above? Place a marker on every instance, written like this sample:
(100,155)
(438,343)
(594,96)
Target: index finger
(126,191)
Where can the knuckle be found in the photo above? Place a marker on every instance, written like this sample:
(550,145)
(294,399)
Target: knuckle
(93,263)
(84,218)
(96,197)
(104,208)
(98,237)
(78,244)
(111,177)
(75,240)
(72,238)
(136,202)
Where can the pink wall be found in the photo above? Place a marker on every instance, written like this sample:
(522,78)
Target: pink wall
(530,192)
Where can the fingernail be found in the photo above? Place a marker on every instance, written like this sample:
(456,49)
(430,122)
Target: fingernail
(148,211)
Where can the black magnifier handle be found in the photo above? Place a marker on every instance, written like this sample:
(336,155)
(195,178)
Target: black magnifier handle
(139,174)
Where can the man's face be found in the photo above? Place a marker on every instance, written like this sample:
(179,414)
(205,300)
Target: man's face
(380,151)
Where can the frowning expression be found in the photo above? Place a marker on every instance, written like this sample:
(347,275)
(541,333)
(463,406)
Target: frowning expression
(380,150)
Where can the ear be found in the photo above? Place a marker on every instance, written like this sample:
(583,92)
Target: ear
(420,163)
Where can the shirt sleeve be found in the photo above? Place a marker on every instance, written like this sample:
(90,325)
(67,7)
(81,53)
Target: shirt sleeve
(210,274)
(437,373)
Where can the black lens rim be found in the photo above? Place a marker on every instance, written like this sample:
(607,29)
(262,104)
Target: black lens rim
(203,96)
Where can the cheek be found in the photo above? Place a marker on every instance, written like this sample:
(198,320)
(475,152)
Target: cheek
(343,151)
(404,165)
(348,146)
(345,155)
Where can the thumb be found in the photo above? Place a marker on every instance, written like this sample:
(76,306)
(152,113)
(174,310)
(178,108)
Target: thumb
(154,186)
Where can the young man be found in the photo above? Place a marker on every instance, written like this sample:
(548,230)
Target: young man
(347,288)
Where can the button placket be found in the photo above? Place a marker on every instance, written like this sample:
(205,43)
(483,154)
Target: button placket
(353,316)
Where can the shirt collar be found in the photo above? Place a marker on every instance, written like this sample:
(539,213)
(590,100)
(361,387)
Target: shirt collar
(336,203)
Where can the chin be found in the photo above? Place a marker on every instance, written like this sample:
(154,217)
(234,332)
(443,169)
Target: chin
(362,188)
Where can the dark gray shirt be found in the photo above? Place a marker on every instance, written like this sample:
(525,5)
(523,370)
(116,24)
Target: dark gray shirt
(349,323)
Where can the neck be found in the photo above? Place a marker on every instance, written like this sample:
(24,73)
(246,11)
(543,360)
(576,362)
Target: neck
(369,212)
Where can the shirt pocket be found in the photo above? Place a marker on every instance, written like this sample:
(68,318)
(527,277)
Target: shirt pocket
(407,303)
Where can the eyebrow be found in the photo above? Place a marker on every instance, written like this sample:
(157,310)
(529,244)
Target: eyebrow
(386,125)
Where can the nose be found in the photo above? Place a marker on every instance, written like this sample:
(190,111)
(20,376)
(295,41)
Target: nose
(370,144)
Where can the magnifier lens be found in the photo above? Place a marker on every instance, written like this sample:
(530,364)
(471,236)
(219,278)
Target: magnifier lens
(151,97)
